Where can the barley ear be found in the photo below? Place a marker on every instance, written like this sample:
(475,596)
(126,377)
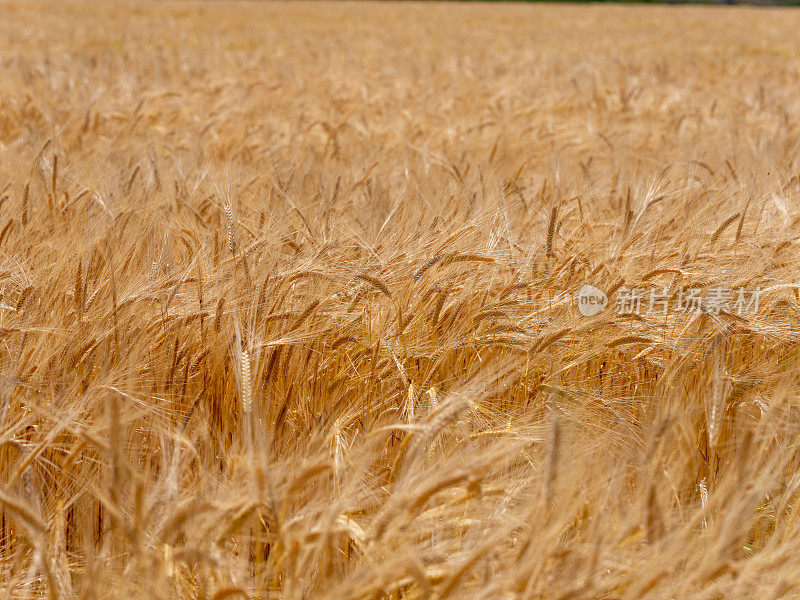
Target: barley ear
(231,226)
(715,403)
(247,390)
(551,231)
(79,292)
(26,197)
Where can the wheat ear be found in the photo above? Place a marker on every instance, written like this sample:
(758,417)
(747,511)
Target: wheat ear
(247,389)
(26,197)
(231,226)
(715,404)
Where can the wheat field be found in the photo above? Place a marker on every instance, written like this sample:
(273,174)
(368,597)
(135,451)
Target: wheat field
(288,301)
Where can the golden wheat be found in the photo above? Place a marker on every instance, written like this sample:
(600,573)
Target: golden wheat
(288,301)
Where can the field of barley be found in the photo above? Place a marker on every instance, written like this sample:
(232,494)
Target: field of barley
(289,301)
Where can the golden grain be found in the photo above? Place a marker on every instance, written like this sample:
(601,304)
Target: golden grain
(287,301)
